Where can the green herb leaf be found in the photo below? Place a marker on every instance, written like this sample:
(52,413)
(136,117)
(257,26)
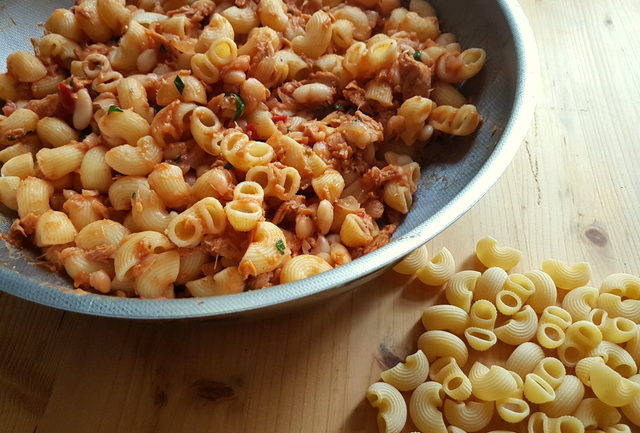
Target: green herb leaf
(247,287)
(157,108)
(114,108)
(228,166)
(417,55)
(280,246)
(338,107)
(239,106)
(179,83)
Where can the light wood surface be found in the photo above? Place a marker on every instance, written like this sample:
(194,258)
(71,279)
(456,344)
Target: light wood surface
(573,193)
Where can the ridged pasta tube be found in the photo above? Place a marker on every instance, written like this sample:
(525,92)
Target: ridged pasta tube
(424,408)
(610,387)
(622,284)
(537,390)
(459,289)
(439,269)
(565,276)
(491,384)
(471,416)
(580,301)
(412,262)
(569,394)
(492,255)
(436,344)
(616,307)
(524,358)
(445,318)
(490,283)
(545,293)
(408,375)
(520,328)
(593,414)
(392,409)
(512,409)
(454,382)
(304,266)
(480,339)
(632,409)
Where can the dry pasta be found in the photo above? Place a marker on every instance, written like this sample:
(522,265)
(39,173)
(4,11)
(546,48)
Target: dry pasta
(490,254)
(408,375)
(567,277)
(425,407)
(578,379)
(155,106)
(392,410)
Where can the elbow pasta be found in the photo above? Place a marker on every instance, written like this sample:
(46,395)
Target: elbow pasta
(492,255)
(567,277)
(578,379)
(408,375)
(137,111)
(392,410)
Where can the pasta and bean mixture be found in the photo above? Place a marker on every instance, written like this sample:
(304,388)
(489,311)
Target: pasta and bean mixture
(153,145)
(574,355)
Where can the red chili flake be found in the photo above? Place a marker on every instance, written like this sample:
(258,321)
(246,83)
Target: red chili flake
(66,97)
(279,118)
(251,129)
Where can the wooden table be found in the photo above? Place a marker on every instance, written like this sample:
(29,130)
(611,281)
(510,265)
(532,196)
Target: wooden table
(573,192)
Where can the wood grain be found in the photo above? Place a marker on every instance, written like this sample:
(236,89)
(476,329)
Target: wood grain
(571,193)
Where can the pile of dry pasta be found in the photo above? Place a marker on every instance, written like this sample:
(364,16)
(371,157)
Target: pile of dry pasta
(573,364)
(223,146)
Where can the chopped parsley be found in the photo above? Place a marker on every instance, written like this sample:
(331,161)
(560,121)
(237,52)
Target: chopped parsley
(247,287)
(417,55)
(179,83)
(157,108)
(239,106)
(280,246)
(113,108)
(338,107)
(228,166)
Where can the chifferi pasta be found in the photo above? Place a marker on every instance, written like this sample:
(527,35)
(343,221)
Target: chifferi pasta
(240,144)
(537,351)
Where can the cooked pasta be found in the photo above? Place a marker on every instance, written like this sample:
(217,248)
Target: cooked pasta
(158,105)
